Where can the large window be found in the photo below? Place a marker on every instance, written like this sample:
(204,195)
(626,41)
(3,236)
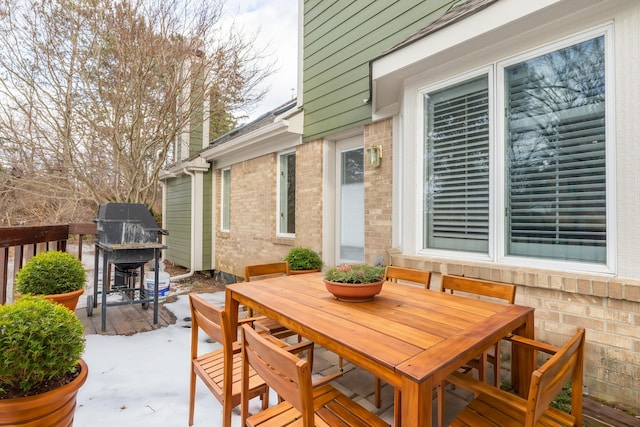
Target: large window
(225,202)
(287,193)
(457,167)
(552,140)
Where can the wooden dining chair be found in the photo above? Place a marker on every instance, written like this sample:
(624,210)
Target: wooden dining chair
(493,406)
(475,287)
(219,369)
(394,273)
(471,287)
(305,402)
(268,270)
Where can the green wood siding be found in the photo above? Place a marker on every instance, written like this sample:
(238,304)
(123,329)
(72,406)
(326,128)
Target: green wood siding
(340,38)
(178,220)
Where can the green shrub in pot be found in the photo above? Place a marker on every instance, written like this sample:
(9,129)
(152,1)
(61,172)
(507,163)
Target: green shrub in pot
(40,342)
(300,258)
(50,273)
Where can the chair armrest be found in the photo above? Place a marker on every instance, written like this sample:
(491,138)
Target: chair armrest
(250,320)
(326,379)
(532,344)
(299,347)
(466,381)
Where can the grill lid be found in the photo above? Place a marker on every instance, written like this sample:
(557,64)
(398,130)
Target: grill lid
(126,224)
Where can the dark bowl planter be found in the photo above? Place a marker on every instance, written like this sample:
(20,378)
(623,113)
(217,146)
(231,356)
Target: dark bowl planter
(354,292)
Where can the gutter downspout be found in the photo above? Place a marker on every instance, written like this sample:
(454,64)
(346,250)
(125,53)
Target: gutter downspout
(193,228)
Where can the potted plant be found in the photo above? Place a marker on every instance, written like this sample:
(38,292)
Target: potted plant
(59,276)
(40,369)
(355,283)
(303,260)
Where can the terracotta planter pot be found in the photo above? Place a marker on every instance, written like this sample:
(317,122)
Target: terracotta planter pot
(292,272)
(53,408)
(354,292)
(69,300)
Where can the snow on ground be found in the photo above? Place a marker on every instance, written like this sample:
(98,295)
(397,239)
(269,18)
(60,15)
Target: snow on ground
(143,379)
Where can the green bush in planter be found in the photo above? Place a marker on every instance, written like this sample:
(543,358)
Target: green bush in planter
(300,258)
(39,341)
(51,273)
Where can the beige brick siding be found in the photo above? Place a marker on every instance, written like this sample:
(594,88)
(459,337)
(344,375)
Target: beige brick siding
(252,235)
(378,192)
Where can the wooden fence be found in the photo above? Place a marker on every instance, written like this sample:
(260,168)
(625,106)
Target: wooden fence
(19,244)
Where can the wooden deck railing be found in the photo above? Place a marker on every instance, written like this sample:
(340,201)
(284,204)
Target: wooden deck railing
(19,244)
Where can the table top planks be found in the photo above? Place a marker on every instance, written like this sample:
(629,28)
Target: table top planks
(408,336)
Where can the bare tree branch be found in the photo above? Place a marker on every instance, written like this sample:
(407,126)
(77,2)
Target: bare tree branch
(94,93)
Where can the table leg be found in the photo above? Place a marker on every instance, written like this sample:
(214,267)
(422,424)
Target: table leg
(231,307)
(156,254)
(416,403)
(523,360)
(103,309)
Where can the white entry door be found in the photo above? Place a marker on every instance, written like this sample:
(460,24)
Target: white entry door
(350,200)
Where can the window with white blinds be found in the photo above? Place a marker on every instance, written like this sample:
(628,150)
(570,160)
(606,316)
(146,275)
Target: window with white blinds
(287,193)
(457,167)
(554,175)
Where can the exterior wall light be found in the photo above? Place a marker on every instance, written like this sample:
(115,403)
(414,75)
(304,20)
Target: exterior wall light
(374,154)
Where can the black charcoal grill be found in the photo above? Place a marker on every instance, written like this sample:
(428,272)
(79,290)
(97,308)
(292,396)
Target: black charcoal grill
(127,239)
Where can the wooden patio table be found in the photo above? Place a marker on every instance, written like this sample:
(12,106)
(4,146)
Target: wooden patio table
(410,337)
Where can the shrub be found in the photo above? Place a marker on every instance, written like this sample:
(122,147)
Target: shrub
(39,341)
(300,258)
(51,273)
(357,273)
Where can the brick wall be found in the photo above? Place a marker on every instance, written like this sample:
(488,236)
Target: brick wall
(309,195)
(378,192)
(252,235)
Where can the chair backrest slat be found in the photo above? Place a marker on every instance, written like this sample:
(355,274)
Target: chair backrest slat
(285,373)
(393,273)
(266,270)
(212,320)
(548,380)
(504,291)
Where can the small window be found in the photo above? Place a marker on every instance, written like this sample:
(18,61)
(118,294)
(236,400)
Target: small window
(287,193)
(225,201)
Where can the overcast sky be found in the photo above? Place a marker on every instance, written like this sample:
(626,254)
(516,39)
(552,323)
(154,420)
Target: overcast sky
(277,22)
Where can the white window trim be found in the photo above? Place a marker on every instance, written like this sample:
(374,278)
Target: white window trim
(223,205)
(278,185)
(497,245)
